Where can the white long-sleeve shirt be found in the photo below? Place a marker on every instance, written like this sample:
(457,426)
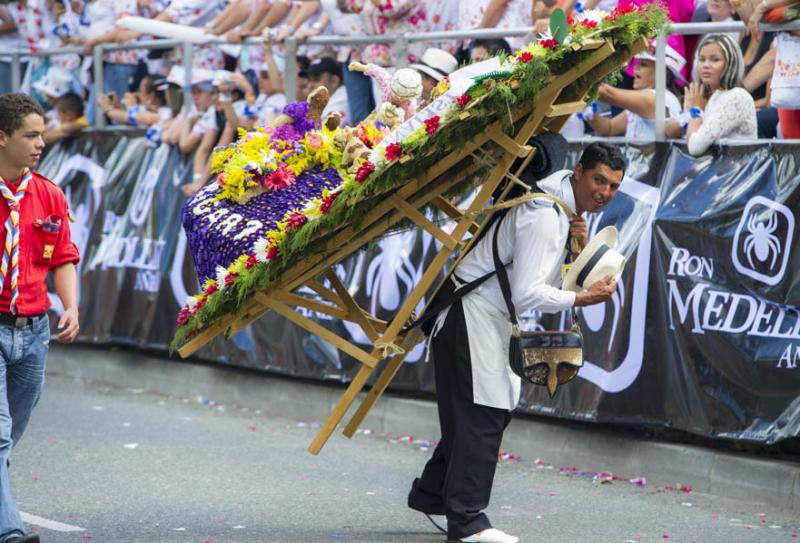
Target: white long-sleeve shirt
(534,235)
(728,114)
(533,238)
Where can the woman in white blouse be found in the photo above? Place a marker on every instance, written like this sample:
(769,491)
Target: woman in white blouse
(715,105)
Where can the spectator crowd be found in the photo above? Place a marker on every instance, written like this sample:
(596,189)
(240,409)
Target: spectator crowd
(727,85)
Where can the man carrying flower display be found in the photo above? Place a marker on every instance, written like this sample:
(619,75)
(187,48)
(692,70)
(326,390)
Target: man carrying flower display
(476,390)
(37,239)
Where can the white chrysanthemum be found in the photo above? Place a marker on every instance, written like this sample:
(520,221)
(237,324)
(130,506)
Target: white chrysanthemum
(260,249)
(191,303)
(267,157)
(596,15)
(222,274)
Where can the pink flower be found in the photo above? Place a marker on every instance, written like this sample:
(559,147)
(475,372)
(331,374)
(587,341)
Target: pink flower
(589,23)
(251,261)
(314,140)
(211,289)
(393,151)
(413,20)
(432,125)
(230,278)
(295,221)
(281,178)
(272,252)
(183,316)
(463,100)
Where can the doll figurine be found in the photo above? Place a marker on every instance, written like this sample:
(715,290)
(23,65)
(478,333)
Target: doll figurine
(400,89)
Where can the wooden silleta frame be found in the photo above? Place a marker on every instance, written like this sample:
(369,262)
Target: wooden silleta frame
(564,95)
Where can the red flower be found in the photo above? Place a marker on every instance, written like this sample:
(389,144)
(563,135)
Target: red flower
(183,316)
(588,23)
(625,6)
(251,261)
(200,303)
(230,278)
(524,56)
(221,180)
(366,169)
(211,289)
(295,221)
(549,43)
(570,20)
(463,100)
(328,200)
(272,252)
(432,125)
(393,151)
(281,178)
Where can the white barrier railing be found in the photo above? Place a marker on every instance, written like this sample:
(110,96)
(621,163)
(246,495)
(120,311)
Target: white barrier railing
(400,42)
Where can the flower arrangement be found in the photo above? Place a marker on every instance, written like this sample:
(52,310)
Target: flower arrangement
(277,162)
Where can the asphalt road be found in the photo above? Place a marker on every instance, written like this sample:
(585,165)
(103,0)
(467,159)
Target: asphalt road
(116,465)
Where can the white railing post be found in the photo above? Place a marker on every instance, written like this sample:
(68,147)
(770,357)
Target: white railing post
(99,85)
(16,71)
(401,50)
(661,87)
(188,59)
(290,69)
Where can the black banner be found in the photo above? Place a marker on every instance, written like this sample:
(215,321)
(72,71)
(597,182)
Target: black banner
(703,334)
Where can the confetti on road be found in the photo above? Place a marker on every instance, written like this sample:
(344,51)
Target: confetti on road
(131,445)
(98,408)
(252,428)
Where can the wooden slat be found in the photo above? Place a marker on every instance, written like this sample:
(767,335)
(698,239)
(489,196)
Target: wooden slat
(567,108)
(381,383)
(453,212)
(315,328)
(324,291)
(423,222)
(312,305)
(513,147)
(359,315)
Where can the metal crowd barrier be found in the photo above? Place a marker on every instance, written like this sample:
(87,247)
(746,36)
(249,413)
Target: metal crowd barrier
(400,44)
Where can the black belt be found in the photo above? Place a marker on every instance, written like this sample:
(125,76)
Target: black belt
(18,322)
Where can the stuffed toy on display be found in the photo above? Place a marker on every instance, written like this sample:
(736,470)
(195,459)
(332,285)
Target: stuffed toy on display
(401,89)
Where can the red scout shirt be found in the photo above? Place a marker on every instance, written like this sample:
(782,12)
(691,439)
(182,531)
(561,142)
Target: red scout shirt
(39,249)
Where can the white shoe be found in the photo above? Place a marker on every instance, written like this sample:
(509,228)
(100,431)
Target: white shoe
(491,535)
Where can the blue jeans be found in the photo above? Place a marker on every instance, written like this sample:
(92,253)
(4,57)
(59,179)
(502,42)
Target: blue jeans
(116,78)
(23,357)
(359,95)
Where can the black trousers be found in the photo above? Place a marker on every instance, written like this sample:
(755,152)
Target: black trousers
(457,480)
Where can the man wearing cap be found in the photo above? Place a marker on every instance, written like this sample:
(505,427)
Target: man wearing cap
(434,66)
(36,235)
(476,389)
(327,72)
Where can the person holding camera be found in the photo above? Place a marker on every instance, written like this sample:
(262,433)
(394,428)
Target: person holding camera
(476,390)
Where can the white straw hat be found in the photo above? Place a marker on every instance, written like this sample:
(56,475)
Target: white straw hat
(436,63)
(406,83)
(597,260)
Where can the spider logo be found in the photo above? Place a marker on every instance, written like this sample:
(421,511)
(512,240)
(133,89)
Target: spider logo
(763,237)
(761,240)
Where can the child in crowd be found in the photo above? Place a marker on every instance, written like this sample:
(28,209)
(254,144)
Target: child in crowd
(69,119)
